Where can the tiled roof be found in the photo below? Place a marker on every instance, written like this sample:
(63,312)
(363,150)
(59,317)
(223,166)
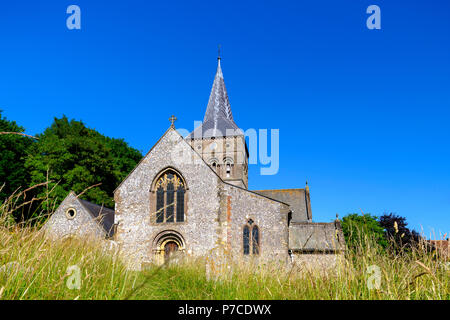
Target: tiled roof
(103,215)
(316,237)
(297,199)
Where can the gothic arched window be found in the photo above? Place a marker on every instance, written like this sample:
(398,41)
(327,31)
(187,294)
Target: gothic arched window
(170,197)
(255,240)
(251,238)
(246,239)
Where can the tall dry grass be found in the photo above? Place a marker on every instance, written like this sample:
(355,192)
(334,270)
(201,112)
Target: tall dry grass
(34,267)
(409,275)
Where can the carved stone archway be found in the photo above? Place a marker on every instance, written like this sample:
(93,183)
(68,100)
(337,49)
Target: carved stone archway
(168,244)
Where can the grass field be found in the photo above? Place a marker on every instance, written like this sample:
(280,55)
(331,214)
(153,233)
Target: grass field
(33,267)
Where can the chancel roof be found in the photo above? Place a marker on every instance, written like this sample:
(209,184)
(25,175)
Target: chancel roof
(316,237)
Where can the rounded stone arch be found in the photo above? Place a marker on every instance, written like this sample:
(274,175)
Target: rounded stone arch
(228,163)
(214,164)
(228,160)
(166,235)
(213,160)
(165,238)
(162,172)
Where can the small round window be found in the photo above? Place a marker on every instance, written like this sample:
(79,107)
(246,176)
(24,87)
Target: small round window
(71,213)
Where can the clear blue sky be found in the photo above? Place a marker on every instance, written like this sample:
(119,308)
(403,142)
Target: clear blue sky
(363,114)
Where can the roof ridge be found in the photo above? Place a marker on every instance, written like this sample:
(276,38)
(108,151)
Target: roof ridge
(95,204)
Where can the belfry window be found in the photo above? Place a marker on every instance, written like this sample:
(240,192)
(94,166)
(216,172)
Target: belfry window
(214,163)
(170,198)
(228,167)
(251,238)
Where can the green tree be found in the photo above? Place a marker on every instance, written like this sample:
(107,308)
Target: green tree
(13,152)
(396,230)
(361,229)
(74,157)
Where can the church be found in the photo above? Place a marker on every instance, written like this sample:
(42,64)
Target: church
(189,196)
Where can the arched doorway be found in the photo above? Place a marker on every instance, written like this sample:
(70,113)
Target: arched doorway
(168,245)
(170,248)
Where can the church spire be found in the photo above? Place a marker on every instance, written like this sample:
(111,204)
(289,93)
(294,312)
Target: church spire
(218,104)
(218,119)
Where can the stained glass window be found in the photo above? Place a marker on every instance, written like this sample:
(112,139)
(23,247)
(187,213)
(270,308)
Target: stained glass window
(168,207)
(255,239)
(170,202)
(180,204)
(160,205)
(246,240)
(251,238)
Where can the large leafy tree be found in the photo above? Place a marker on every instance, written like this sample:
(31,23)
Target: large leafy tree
(360,230)
(397,230)
(75,157)
(13,152)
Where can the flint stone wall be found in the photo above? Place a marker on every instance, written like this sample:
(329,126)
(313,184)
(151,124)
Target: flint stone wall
(216,212)
(269,215)
(82,225)
(136,233)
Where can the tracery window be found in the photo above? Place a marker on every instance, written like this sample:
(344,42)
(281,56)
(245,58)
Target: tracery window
(170,198)
(251,238)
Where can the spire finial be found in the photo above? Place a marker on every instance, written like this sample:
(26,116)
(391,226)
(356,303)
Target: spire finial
(172,119)
(218,56)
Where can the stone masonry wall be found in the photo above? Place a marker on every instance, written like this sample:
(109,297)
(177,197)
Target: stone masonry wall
(227,147)
(269,215)
(136,232)
(83,224)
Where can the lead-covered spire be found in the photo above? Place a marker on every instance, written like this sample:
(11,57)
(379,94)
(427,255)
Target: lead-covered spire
(218,119)
(218,104)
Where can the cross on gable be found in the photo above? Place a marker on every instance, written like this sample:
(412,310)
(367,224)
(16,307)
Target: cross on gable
(172,119)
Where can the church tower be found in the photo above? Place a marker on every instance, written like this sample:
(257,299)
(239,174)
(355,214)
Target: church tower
(219,140)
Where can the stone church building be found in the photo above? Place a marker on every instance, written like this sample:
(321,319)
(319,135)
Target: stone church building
(190,195)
